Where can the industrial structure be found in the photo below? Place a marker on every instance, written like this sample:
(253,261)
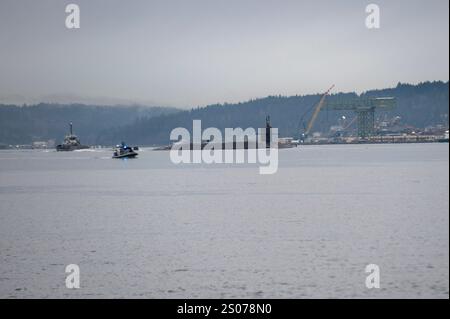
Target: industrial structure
(363,107)
(365,111)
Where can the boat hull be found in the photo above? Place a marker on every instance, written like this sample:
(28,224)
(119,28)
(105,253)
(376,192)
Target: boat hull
(128,155)
(69,148)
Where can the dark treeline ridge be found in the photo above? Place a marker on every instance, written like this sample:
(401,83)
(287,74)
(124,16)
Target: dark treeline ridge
(418,105)
(45,121)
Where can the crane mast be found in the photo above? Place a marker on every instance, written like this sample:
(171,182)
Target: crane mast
(317,111)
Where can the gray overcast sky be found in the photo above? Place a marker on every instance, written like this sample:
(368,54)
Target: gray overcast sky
(197,52)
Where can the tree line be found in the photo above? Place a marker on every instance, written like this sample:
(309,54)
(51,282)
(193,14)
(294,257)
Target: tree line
(418,105)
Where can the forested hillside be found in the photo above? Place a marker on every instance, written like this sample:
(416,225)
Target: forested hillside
(417,105)
(25,124)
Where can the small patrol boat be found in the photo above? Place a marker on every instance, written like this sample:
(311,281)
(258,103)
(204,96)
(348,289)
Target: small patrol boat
(124,151)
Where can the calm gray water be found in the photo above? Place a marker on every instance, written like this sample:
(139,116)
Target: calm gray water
(146,228)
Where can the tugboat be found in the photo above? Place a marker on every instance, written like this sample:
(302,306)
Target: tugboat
(124,151)
(71,142)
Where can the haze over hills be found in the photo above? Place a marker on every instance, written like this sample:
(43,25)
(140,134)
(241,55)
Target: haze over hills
(71,98)
(418,105)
